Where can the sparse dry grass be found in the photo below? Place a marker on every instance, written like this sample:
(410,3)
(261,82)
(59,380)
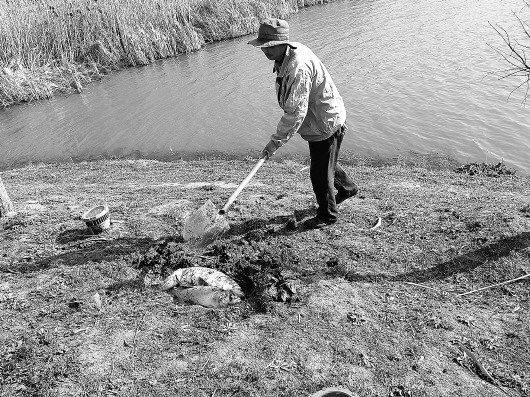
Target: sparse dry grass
(358,324)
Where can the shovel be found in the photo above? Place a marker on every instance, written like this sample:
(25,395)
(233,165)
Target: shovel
(206,224)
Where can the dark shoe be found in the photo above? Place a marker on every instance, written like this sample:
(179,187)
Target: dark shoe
(339,198)
(317,223)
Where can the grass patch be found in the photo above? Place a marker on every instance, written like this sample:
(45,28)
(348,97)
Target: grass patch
(376,311)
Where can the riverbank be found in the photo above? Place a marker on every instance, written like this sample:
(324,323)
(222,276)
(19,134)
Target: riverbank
(59,46)
(376,309)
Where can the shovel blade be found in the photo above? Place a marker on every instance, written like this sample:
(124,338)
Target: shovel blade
(205,225)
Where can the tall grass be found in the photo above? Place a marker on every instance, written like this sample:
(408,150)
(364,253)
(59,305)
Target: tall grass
(51,46)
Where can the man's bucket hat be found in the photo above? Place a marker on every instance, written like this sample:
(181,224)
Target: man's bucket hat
(272,31)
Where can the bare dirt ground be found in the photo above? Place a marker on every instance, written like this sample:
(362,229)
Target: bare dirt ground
(376,311)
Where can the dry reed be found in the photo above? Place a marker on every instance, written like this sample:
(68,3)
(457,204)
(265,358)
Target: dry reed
(58,46)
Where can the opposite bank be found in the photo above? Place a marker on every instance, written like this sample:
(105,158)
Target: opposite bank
(59,46)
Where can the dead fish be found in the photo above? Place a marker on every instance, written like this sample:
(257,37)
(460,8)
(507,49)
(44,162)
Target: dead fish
(204,296)
(201,276)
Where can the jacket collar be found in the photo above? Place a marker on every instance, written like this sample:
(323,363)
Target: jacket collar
(280,68)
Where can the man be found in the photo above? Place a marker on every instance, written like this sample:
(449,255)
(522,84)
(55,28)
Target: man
(312,107)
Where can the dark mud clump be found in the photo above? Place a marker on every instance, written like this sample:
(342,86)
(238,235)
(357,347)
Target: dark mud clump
(163,258)
(487,169)
(260,272)
(526,210)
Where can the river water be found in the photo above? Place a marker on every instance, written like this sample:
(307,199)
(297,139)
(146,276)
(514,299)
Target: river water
(414,75)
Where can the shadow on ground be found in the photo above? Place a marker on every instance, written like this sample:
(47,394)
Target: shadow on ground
(74,236)
(277,225)
(460,264)
(87,249)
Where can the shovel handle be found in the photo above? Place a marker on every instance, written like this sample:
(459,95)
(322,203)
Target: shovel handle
(242,185)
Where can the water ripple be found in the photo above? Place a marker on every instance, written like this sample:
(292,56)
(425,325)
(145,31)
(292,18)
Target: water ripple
(414,76)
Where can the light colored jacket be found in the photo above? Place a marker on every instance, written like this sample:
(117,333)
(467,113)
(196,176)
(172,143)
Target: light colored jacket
(311,103)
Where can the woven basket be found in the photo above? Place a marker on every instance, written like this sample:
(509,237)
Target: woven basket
(97,218)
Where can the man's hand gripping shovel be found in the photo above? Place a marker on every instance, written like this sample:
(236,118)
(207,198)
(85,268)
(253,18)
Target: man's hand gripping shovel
(206,224)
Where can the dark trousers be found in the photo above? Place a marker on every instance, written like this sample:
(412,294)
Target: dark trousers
(326,175)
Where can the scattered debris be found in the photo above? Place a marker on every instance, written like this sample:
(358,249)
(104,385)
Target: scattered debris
(399,391)
(495,285)
(473,225)
(221,252)
(355,318)
(377,224)
(489,344)
(280,289)
(4,297)
(365,360)
(97,301)
(388,297)
(138,325)
(437,323)
(75,304)
(482,371)
(333,262)
(280,365)
(466,321)
(417,365)
(478,367)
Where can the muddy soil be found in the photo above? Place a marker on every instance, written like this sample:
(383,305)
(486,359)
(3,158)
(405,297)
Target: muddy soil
(259,271)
